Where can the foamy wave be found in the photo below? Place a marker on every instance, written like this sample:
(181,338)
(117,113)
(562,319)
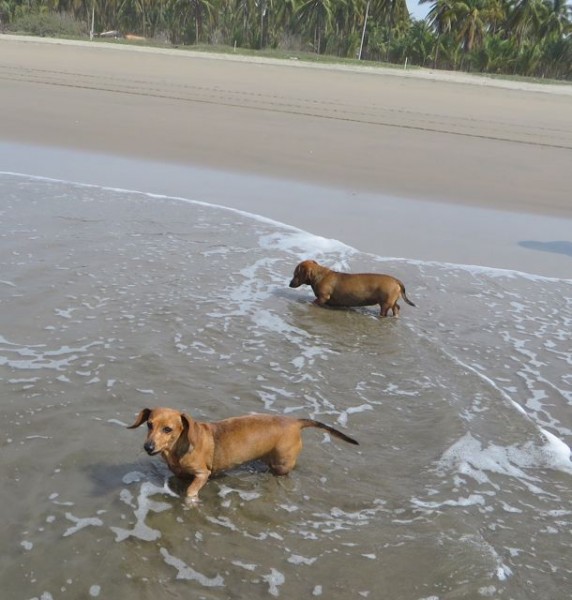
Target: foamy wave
(184,571)
(143,506)
(300,242)
(34,357)
(468,456)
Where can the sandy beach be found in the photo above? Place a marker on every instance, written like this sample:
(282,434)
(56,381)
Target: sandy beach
(367,133)
(123,285)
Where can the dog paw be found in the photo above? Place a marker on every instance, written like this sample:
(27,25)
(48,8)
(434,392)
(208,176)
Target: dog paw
(191,501)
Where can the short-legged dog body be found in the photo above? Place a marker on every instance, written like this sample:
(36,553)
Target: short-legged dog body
(194,449)
(345,289)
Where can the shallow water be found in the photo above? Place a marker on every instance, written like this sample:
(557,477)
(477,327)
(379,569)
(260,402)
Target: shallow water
(112,301)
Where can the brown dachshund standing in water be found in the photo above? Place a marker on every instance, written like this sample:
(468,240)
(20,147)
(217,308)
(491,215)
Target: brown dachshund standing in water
(344,289)
(194,450)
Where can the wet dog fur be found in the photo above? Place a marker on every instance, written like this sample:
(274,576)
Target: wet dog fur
(194,450)
(333,288)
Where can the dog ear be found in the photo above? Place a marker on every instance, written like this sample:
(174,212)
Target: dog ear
(186,422)
(141,418)
(188,430)
(310,269)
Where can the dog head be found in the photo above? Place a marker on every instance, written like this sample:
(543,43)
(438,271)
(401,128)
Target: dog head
(165,428)
(304,273)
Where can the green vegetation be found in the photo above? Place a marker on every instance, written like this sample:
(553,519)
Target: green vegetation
(44,23)
(530,38)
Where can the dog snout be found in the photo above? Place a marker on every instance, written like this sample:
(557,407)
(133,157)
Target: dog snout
(296,281)
(149,447)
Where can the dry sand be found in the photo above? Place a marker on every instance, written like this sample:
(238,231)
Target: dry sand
(368,130)
(453,138)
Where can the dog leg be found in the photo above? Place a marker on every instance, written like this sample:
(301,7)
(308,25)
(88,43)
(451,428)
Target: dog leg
(283,458)
(281,467)
(321,300)
(201,477)
(385,308)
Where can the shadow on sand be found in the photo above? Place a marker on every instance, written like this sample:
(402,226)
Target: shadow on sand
(556,247)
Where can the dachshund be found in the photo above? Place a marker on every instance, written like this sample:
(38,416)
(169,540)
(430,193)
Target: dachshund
(193,450)
(345,289)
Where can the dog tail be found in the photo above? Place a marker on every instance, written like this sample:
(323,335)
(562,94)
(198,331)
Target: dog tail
(404,296)
(342,436)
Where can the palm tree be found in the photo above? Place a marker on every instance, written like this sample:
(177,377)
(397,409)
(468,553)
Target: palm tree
(443,18)
(557,57)
(316,15)
(525,19)
(467,21)
(557,21)
(419,42)
(142,16)
(398,13)
(201,10)
(283,20)
(245,20)
(471,23)
(186,18)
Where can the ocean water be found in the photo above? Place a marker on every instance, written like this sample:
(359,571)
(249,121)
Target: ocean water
(111,301)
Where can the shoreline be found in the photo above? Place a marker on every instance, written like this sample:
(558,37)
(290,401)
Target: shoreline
(374,133)
(465,236)
(396,166)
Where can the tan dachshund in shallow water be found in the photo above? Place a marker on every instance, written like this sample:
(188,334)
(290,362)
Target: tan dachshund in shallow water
(194,450)
(344,289)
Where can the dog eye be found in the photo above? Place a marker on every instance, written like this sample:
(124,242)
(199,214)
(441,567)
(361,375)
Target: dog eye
(149,425)
(167,429)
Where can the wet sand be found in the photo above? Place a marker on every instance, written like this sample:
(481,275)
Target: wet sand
(374,135)
(112,301)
